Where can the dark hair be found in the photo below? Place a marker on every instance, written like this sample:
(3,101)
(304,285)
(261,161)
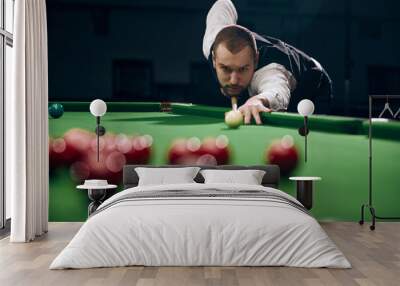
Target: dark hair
(235,39)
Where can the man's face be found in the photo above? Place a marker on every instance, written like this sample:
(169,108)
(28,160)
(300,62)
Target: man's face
(234,71)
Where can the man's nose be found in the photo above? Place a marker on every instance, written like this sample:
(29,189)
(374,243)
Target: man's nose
(234,78)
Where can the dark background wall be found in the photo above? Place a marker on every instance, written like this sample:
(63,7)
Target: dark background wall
(151,50)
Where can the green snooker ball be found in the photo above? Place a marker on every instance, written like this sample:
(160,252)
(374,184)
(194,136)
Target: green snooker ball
(233,119)
(56,110)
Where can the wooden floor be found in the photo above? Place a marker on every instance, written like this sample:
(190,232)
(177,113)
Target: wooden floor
(375,257)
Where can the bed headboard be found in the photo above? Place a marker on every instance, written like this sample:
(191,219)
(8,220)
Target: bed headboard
(270,179)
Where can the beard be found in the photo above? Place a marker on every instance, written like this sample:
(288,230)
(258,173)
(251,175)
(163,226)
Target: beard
(232,90)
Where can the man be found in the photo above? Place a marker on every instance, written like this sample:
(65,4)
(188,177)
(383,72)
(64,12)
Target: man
(276,75)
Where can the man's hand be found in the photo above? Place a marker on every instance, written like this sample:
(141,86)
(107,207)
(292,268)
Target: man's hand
(253,106)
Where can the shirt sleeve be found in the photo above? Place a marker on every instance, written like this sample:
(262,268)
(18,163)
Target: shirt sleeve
(273,83)
(221,14)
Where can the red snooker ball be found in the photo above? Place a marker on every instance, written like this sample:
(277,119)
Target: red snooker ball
(185,151)
(109,167)
(212,151)
(124,143)
(115,161)
(80,139)
(139,151)
(217,148)
(61,153)
(178,150)
(284,155)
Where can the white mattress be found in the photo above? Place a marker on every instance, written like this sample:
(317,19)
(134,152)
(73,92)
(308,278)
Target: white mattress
(192,231)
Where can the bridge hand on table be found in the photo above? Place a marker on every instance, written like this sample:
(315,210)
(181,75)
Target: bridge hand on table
(252,107)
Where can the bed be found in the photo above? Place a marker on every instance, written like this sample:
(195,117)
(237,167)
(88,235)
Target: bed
(201,223)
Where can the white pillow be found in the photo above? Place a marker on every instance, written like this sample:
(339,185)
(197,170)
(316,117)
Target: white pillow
(249,177)
(164,176)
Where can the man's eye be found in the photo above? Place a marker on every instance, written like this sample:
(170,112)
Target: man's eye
(242,70)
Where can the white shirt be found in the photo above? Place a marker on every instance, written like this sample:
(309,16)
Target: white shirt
(272,82)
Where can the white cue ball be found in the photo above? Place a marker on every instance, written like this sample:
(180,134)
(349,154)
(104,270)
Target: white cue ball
(233,119)
(305,107)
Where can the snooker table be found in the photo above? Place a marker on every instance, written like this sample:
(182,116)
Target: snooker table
(337,152)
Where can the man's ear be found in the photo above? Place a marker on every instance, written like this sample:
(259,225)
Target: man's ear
(213,59)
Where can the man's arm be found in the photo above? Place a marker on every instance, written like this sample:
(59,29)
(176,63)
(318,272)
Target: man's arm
(269,90)
(272,84)
(221,14)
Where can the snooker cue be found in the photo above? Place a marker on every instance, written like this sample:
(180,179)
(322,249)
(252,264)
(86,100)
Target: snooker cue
(234,103)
